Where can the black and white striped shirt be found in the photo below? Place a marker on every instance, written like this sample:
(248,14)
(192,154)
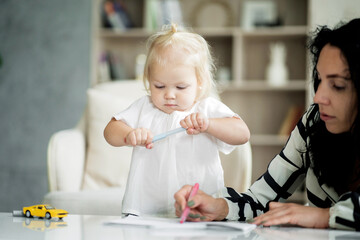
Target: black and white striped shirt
(285,173)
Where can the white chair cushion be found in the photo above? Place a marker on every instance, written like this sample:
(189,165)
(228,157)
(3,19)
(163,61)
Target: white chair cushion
(107,166)
(66,158)
(93,202)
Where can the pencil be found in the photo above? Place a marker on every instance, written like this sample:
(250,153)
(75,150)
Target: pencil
(185,213)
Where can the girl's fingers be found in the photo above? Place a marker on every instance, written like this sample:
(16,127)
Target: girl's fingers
(196,132)
(145,138)
(183,124)
(190,131)
(132,138)
(188,122)
(194,121)
(138,136)
(200,120)
(150,137)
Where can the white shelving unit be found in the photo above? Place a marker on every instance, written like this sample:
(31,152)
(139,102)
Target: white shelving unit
(244,52)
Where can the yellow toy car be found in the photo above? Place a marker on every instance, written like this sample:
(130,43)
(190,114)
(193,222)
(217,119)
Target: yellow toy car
(44,211)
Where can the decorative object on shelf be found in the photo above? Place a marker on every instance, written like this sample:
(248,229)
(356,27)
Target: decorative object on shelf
(112,17)
(259,13)
(292,117)
(115,15)
(160,12)
(212,13)
(223,75)
(276,71)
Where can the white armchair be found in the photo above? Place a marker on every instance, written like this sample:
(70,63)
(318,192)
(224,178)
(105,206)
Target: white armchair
(86,174)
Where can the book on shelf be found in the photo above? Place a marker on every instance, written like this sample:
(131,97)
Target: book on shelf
(104,68)
(292,117)
(162,12)
(121,8)
(115,15)
(110,67)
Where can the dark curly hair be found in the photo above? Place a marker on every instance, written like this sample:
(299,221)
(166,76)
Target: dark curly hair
(333,156)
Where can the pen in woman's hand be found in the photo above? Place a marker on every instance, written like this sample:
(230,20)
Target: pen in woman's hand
(185,213)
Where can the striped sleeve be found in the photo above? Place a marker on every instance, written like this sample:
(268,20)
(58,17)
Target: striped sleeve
(285,173)
(345,214)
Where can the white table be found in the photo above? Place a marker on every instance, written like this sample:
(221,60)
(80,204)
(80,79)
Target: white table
(88,227)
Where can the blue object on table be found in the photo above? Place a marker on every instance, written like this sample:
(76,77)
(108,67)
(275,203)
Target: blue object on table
(166,134)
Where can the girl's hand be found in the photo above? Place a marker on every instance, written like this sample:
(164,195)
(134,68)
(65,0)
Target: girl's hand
(140,136)
(195,123)
(294,214)
(203,207)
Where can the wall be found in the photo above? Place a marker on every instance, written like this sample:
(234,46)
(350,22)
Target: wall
(45,49)
(334,12)
(330,16)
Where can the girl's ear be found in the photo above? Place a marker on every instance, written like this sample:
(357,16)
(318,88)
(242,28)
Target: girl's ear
(198,94)
(199,82)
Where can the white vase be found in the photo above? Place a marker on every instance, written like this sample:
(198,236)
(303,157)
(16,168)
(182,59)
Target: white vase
(276,71)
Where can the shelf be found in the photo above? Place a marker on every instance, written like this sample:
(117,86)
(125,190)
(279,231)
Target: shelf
(141,32)
(215,32)
(131,33)
(282,31)
(218,32)
(262,85)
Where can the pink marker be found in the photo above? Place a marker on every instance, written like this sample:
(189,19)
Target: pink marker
(185,213)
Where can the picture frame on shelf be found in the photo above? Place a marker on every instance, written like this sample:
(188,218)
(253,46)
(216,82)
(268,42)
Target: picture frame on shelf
(258,13)
(203,14)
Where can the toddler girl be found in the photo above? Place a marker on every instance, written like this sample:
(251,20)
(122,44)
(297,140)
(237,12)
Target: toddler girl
(178,75)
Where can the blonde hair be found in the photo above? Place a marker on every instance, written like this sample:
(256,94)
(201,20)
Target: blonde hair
(172,37)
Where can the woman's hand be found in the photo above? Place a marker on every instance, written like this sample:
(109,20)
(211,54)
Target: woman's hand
(203,207)
(140,136)
(195,123)
(294,214)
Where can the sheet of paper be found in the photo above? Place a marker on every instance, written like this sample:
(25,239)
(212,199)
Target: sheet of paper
(174,223)
(154,222)
(246,227)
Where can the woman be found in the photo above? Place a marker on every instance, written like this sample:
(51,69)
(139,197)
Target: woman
(323,150)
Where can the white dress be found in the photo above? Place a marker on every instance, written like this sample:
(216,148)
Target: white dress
(157,173)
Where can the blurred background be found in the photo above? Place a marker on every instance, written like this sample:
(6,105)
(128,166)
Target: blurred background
(44,74)
(52,51)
